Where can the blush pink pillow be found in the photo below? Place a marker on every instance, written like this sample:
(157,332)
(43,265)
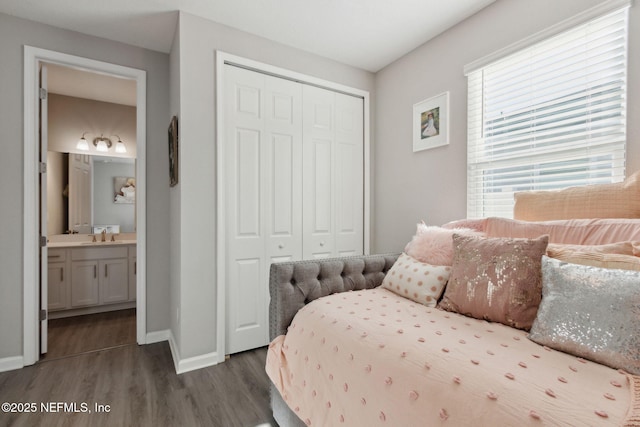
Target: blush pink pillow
(496,279)
(434,245)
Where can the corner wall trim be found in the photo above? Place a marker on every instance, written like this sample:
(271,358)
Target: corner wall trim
(157,336)
(191,363)
(11,363)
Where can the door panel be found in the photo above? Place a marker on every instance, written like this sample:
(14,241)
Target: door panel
(349,175)
(263,195)
(248,315)
(247,166)
(80,172)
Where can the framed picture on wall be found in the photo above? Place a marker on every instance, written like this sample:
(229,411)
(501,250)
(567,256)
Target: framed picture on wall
(431,122)
(173,151)
(125,189)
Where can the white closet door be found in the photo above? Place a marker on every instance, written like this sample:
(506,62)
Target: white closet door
(263,195)
(349,176)
(333,174)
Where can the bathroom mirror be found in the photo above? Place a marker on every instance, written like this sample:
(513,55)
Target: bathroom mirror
(87,188)
(106,198)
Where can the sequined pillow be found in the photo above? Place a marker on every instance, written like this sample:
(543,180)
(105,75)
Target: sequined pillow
(590,312)
(420,282)
(496,279)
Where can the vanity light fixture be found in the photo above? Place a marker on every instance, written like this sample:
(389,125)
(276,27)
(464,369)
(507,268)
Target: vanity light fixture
(102,144)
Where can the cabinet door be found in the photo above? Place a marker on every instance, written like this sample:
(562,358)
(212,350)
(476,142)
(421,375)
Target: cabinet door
(57,289)
(133,273)
(84,283)
(114,280)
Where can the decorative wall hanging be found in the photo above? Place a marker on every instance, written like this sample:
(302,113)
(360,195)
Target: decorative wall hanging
(125,189)
(431,122)
(173,151)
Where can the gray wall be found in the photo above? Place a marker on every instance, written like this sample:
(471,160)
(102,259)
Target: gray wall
(194,273)
(431,185)
(14,34)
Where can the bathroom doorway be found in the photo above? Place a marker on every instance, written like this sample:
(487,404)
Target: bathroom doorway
(89,275)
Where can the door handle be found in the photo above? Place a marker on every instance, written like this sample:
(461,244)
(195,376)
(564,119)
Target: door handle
(105,270)
(61,275)
(95,271)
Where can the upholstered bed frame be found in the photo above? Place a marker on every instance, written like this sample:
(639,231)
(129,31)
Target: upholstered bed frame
(295,284)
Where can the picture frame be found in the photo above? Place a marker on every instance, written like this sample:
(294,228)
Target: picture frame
(431,122)
(124,188)
(173,151)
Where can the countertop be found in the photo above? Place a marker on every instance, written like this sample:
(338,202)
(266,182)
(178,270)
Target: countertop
(89,244)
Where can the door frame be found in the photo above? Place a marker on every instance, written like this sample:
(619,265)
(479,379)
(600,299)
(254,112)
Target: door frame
(222,59)
(33,57)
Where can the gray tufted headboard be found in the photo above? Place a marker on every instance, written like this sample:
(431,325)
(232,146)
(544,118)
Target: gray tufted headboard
(296,283)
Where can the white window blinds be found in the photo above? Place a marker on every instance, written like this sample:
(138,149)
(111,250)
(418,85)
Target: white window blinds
(550,116)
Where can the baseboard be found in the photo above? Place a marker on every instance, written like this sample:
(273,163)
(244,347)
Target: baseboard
(11,363)
(191,363)
(157,336)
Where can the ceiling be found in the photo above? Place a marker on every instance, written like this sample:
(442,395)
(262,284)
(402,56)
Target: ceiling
(367,34)
(90,85)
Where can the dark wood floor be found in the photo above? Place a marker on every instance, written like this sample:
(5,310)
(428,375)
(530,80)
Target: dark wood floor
(80,334)
(141,387)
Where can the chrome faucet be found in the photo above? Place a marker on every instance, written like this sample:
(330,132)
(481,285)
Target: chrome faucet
(104,235)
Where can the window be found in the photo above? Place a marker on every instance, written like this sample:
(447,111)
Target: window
(549,116)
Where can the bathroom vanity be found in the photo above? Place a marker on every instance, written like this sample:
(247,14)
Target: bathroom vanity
(87,277)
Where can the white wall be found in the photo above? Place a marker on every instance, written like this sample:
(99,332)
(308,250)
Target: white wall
(195,285)
(431,185)
(14,34)
(174,194)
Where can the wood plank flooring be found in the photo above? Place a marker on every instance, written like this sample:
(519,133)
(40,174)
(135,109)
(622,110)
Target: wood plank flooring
(80,334)
(141,387)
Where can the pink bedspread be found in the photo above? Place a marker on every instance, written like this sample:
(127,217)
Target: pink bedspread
(370,358)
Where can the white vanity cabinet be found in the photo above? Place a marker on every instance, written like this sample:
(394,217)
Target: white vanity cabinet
(91,278)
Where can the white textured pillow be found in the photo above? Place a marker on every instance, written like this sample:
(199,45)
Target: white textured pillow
(418,281)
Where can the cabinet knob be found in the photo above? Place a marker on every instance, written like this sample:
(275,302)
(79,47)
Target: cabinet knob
(322,243)
(280,246)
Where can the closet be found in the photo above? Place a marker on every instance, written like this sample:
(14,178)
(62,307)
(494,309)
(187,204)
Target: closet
(294,187)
